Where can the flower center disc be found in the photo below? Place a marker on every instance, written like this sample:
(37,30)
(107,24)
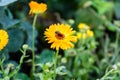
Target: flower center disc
(59,35)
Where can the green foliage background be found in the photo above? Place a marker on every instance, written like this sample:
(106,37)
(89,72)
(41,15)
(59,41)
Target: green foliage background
(103,16)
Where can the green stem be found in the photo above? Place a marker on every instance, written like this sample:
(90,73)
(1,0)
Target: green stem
(104,77)
(116,50)
(19,66)
(55,63)
(1,65)
(33,47)
(75,67)
(105,44)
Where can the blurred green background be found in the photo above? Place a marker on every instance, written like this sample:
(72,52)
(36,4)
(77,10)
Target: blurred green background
(103,16)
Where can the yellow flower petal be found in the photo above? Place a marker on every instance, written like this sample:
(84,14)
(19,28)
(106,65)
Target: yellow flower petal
(90,33)
(36,8)
(83,26)
(81,35)
(3,39)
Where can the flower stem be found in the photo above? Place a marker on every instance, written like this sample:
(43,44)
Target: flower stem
(104,77)
(1,66)
(33,47)
(14,73)
(116,50)
(55,63)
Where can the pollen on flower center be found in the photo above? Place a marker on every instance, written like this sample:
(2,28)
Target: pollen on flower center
(59,35)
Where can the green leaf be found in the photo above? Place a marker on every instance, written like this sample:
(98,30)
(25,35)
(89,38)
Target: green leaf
(117,10)
(7,21)
(111,26)
(45,56)
(87,16)
(27,28)
(102,6)
(22,76)
(16,39)
(4,54)
(6,2)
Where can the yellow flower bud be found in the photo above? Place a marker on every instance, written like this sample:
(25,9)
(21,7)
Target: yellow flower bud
(90,33)
(83,26)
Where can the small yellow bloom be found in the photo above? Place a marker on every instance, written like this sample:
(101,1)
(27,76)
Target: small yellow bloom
(81,35)
(84,36)
(85,31)
(36,8)
(61,36)
(90,33)
(83,26)
(3,39)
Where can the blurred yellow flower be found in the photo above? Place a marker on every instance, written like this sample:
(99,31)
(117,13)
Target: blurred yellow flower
(84,32)
(81,35)
(3,39)
(61,36)
(83,26)
(36,8)
(90,33)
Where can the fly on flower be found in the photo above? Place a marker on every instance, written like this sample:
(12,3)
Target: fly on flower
(61,36)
